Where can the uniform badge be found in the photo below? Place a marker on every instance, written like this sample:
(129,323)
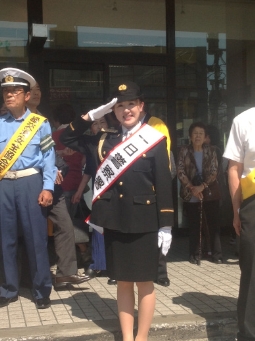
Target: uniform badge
(26,133)
(122,87)
(9,79)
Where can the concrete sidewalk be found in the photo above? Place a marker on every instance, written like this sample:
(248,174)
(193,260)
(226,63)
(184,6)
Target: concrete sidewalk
(200,300)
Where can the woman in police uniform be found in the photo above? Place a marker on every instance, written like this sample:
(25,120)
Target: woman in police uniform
(135,209)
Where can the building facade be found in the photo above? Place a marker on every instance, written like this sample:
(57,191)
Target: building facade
(194,59)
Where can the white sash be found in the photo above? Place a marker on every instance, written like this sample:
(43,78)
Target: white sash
(121,158)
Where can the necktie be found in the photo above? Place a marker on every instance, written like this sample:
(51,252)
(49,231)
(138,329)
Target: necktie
(126,135)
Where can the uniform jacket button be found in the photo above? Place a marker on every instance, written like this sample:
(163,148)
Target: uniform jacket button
(98,197)
(148,202)
(121,195)
(144,155)
(121,183)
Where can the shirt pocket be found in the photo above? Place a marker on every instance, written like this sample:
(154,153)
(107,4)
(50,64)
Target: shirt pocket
(33,147)
(144,199)
(105,196)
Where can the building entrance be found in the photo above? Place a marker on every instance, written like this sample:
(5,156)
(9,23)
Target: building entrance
(80,85)
(86,86)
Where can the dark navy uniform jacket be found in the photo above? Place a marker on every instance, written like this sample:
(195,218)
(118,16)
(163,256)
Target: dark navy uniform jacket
(141,198)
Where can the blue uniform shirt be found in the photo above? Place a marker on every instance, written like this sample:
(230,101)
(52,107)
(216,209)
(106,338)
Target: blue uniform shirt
(32,156)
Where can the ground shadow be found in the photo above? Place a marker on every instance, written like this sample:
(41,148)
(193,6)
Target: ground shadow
(89,306)
(219,312)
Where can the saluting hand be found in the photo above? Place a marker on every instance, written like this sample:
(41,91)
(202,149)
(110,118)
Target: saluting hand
(99,112)
(45,198)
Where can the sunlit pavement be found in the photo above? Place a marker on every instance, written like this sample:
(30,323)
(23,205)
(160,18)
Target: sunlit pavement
(206,290)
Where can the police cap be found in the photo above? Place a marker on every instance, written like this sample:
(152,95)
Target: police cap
(127,91)
(15,77)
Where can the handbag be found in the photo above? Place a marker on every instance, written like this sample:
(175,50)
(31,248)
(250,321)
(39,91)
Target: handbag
(212,192)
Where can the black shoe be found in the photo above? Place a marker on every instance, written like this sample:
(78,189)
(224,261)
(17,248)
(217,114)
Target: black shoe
(6,301)
(92,273)
(165,282)
(218,261)
(43,303)
(193,260)
(111,281)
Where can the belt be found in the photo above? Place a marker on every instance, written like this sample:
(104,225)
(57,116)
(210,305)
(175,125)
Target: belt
(13,175)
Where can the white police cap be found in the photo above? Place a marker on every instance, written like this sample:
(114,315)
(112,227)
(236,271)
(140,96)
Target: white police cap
(14,77)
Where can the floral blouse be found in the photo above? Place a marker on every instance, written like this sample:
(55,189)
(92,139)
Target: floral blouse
(187,169)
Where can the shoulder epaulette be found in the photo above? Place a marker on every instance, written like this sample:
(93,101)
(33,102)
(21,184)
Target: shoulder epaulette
(109,130)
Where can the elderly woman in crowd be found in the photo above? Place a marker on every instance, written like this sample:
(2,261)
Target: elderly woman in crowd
(197,169)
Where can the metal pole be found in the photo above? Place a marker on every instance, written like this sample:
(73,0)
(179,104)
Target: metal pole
(200,233)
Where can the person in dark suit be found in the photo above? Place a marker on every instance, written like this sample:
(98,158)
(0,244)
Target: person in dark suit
(132,201)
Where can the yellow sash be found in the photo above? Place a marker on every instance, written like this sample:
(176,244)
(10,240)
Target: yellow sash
(248,185)
(19,141)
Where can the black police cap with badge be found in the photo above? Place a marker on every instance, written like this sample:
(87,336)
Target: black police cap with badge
(16,77)
(127,91)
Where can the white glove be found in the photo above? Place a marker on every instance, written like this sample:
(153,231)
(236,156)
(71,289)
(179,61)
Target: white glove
(99,112)
(165,238)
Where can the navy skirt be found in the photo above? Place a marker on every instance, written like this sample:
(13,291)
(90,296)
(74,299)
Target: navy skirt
(131,257)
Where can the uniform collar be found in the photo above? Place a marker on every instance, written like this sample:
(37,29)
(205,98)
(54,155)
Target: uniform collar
(131,131)
(9,116)
(146,118)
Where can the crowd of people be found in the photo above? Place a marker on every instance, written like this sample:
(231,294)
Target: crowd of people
(131,168)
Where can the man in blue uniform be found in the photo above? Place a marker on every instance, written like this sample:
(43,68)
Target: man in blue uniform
(27,174)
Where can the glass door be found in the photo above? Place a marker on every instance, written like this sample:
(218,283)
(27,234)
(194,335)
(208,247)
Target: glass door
(86,86)
(83,88)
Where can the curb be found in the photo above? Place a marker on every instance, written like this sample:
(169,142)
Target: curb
(178,327)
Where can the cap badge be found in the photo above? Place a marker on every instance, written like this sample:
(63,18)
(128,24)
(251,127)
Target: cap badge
(9,79)
(122,87)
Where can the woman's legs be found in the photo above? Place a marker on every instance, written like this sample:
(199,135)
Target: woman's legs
(146,307)
(126,303)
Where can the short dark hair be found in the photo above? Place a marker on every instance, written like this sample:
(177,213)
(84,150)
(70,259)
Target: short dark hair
(63,113)
(26,88)
(197,125)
